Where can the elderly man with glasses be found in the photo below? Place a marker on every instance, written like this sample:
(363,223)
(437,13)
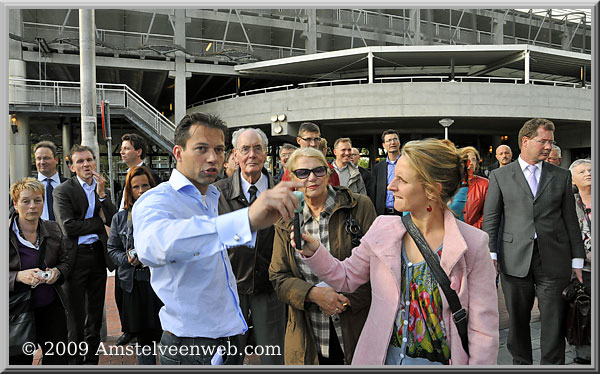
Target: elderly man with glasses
(258,299)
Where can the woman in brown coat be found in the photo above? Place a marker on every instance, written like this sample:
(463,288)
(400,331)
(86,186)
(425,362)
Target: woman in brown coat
(27,235)
(316,333)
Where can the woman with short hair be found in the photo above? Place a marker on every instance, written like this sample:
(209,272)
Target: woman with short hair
(317,332)
(409,321)
(27,235)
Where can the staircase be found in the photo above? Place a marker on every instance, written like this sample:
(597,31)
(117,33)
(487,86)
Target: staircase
(31,96)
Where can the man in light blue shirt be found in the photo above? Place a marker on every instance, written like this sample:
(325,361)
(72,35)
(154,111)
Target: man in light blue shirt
(180,236)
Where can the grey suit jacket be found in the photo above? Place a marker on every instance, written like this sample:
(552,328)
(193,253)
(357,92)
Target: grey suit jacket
(551,214)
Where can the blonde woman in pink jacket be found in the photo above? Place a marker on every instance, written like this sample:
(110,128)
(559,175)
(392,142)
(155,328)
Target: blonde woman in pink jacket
(410,322)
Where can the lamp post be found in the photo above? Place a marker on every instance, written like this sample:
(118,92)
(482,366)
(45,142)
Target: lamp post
(446,122)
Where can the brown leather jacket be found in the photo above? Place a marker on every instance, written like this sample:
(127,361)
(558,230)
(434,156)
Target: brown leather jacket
(56,254)
(250,265)
(300,345)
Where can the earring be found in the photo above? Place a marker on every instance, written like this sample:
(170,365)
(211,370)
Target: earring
(429,208)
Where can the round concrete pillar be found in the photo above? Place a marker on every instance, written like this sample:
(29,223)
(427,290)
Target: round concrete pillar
(19,148)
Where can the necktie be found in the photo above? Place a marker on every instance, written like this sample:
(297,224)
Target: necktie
(49,199)
(252,191)
(533,184)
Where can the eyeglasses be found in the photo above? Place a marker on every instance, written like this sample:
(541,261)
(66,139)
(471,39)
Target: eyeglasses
(544,142)
(258,149)
(319,171)
(311,140)
(392,140)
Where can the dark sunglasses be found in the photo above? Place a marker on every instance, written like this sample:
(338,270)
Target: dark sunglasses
(319,171)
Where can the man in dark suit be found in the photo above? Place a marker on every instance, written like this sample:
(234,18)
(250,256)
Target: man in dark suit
(46,159)
(542,243)
(83,210)
(383,173)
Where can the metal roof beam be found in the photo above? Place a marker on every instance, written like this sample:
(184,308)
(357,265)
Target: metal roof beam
(498,64)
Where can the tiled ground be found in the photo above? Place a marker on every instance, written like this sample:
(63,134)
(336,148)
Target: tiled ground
(504,358)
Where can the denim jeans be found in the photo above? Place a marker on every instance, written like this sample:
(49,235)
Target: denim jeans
(174,350)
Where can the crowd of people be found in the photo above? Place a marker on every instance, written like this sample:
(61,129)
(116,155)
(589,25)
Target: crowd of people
(398,265)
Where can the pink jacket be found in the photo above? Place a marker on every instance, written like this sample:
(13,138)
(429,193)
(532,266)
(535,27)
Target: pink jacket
(465,258)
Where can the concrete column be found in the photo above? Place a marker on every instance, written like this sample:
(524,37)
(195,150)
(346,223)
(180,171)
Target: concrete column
(527,67)
(566,158)
(66,146)
(498,28)
(19,149)
(414,26)
(87,74)
(180,74)
(371,67)
(310,34)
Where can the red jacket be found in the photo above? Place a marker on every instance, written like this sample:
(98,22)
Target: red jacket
(473,211)
(334,180)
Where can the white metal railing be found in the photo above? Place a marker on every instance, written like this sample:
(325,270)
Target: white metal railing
(409,79)
(67,94)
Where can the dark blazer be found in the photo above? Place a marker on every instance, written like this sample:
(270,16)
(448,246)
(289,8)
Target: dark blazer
(70,206)
(366,176)
(250,265)
(56,254)
(379,186)
(551,214)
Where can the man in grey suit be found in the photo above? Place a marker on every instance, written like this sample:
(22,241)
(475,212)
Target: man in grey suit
(542,243)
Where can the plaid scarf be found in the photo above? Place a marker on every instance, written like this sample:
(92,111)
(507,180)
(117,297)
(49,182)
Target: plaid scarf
(319,228)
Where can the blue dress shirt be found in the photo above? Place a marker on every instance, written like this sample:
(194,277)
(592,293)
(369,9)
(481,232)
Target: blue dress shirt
(389,196)
(179,235)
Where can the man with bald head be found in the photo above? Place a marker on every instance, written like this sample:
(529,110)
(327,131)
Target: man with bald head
(503,157)
(258,299)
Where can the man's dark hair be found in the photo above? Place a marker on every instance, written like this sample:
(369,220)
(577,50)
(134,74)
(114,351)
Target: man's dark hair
(46,144)
(182,132)
(137,141)
(388,132)
(79,148)
(308,127)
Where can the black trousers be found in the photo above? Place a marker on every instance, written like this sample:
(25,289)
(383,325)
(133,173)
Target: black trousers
(85,289)
(336,355)
(119,299)
(51,335)
(519,294)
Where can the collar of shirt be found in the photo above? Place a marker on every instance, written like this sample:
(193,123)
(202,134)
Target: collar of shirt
(140,164)
(23,241)
(86,186)
(262,184)
(524,164)
(180,182)
(390,162)
(337,168)
(55,178)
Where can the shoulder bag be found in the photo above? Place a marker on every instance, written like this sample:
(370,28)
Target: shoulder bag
(577,323)
(459,314)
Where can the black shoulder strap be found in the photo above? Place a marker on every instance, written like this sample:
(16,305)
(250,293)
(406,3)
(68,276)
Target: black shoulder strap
(459,315)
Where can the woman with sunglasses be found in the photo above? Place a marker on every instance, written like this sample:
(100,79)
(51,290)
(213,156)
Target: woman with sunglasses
(409,322)
(319,332)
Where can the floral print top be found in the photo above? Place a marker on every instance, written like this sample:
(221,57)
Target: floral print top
(419,328)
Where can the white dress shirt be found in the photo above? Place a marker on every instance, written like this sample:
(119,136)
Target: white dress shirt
(261,184)
(184,242)
(91,198)
(54,181)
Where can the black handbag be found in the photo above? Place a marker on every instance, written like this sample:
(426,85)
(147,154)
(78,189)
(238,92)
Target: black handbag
(459,314)
(577,323)
(21,314)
